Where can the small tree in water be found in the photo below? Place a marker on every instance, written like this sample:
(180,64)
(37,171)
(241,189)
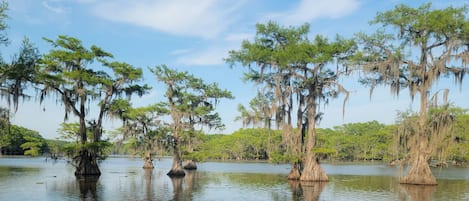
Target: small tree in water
(427,44)
(142,126)
(191,102)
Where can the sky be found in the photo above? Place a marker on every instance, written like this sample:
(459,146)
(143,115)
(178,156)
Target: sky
(195,36)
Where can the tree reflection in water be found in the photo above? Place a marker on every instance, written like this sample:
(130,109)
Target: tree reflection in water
(147,176)
(310,191)
(177,188)
(87,186)
(418,192)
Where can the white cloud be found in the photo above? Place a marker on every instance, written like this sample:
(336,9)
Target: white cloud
(55,9)
(214,53)
(308,10)
(203,18)
(210,56)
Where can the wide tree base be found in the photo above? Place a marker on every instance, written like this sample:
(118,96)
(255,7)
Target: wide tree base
(175,173)
(294,172)
(418,180)
(86,164)
(148,164)
(190,165)
(419,174)
(313,172)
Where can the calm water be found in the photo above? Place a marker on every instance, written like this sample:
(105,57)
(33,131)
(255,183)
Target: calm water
(124,179)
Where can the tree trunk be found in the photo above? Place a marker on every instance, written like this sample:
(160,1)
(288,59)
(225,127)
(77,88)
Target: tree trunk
(294,172)
(312,171)
(148,161)
(176,169)
(86,164)
(190,165)
(420,172)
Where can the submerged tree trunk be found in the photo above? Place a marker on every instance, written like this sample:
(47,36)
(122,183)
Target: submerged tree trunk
(420,172)
(176,168)
(148,161)
(312,171)
(190,165)
(86,164)
(294,172)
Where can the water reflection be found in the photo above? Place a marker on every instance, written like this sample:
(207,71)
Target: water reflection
(310,191)
(177,188)
(418,192)
(124,179)
(87,186)
(147,177)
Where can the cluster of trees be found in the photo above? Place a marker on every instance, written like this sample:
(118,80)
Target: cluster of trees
(412,50)
(367,141)
(88,78)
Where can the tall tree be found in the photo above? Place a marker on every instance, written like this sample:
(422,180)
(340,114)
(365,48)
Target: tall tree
(67,72)
(295,70)
(191,102)
(421,46)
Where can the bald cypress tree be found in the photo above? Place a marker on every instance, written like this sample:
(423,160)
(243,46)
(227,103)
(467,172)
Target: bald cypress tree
(295,70)
(415,48)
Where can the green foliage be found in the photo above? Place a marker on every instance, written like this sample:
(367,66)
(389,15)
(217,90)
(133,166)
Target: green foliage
(459,149)
(244,144)
(16,76)
(22,141)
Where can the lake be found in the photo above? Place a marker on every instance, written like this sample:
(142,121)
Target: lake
(23,178)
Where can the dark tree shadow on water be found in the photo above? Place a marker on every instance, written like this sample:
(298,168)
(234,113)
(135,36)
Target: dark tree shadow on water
(87,187)
(418,192)
(310,191)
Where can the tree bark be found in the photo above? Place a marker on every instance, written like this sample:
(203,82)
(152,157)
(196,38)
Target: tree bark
(190,165)
(294,172)
(420,172)
(176,168)
(312,171)
(148,161)
(86,164)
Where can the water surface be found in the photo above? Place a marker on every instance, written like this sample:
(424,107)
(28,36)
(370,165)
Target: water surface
(124,179)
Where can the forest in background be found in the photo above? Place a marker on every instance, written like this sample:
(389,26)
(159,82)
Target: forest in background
(365,141)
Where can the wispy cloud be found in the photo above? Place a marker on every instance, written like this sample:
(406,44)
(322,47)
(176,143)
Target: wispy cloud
(54,8)
(203,18)
(214,53)
(308,10)
(210,56)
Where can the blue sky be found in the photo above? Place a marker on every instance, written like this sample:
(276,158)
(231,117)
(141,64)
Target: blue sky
(195,35)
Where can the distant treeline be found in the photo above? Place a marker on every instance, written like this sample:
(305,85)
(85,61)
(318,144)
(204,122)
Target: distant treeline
(349,142)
